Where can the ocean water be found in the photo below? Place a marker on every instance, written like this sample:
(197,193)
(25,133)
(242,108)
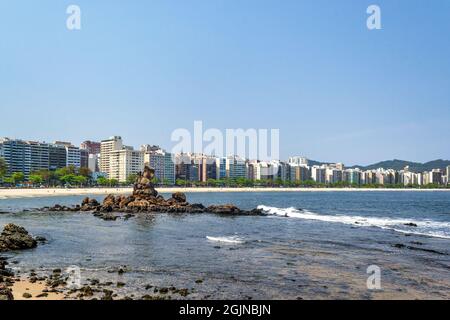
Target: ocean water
(311,245)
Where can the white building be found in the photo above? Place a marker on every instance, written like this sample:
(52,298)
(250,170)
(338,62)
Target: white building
(93,162)
(318,174)
(125,162)
(298,161)
(106,148)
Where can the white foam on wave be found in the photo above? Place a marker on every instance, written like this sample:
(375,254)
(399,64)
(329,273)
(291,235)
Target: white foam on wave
(430,228)
(232,240)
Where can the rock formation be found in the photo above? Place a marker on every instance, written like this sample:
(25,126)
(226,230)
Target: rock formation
(15,237)
(145,199)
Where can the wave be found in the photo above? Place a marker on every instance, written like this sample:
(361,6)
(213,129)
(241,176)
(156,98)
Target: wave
(233,239)
(429,228)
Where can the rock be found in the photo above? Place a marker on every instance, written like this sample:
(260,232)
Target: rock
(411,224)
(179,197)
(85,201)
(143,185)
(109,201)
(107,295)
(40,239)
(5,293)
(109,217)
(15,237)
(42,295)
(26,295)
(224,209)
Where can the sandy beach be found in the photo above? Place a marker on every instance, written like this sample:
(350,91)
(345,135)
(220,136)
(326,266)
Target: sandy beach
(26,290)
(57,192)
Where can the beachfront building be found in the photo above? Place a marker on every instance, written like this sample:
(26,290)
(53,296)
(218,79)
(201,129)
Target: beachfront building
(118,161)
(318,174)
(17,154)
(162,162)
(93,162)
(253,170)
(73,154)
(125,162)
(353,176)
(57,156)
(91,147)
(106,148)
(333,175)
(84,158)
(31,156)
(222,169)
(436,176)
(237,167)
(284,171)
(299,172)
(39,156)
(448,174)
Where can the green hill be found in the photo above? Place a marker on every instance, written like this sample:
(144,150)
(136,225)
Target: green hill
(413,166)
(399,165)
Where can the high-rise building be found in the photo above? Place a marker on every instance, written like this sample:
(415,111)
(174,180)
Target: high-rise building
(299,173)
(40,158)
(93,162)
(353,176)
(237,167)
(73,154)
(436,176)
(106,148)
(448,174)
(17,154)
(92,147)
(318,174)
(169,168)
(284,171)
(333,175)
(57,156)
(222,168)
(84,158)
(163,164)
(123,163)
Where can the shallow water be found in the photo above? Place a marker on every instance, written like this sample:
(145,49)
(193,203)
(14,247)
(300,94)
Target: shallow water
(314,245)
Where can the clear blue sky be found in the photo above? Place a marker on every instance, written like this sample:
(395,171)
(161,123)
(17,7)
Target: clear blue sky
(140,69)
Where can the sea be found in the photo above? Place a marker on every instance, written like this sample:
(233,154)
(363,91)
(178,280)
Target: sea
(308,245)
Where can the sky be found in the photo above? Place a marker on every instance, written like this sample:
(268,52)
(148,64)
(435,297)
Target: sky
(336,90)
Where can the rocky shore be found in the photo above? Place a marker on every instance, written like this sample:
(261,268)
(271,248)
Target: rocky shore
(13,238)
(57,285)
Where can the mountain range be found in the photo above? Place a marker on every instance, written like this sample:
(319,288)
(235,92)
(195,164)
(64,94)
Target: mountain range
(400,165)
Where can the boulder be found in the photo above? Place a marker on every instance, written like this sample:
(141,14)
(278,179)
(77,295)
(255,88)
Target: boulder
(224,209)
(179,197)
(15,237)
(109,201)
(5,293)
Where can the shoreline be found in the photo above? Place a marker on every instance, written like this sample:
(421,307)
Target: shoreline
(56,192)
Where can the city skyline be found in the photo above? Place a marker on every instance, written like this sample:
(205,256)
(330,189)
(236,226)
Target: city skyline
(154,143)
(335,89)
